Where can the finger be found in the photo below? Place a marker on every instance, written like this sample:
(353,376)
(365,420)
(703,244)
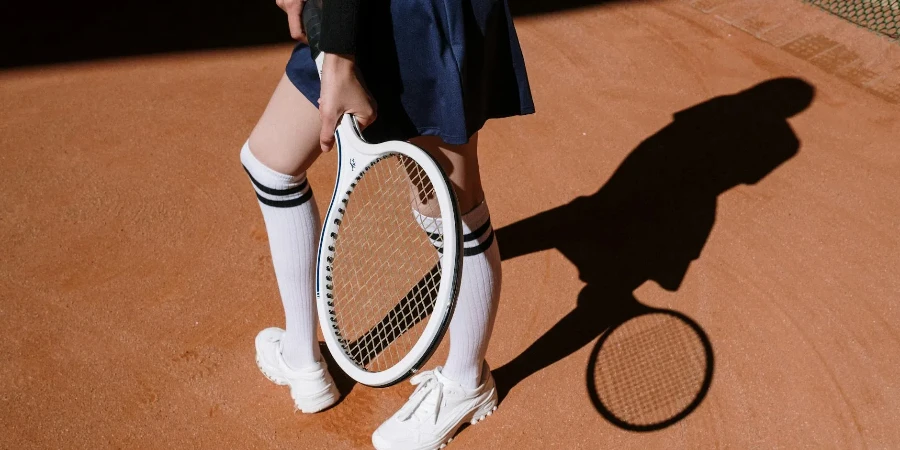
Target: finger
(364,120)
(295,24)
(329,125)
(367,115)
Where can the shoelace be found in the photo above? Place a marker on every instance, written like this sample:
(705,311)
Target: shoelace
(427,385)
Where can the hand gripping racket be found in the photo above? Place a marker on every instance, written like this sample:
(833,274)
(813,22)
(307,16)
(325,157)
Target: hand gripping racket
(390,253)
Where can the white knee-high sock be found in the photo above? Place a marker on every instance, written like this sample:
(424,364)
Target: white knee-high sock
(292,223)
(476,307)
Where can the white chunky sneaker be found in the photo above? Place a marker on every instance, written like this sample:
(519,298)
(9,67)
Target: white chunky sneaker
(311,388)
(435,411)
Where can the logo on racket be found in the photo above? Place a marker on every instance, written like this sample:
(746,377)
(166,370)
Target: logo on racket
(352,163)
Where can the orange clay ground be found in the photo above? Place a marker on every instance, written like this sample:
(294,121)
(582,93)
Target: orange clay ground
(134,272)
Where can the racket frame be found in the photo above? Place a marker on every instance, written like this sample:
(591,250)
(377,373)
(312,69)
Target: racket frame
(355,157)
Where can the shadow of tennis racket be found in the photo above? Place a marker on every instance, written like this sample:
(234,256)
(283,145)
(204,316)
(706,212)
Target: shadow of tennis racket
(650,370)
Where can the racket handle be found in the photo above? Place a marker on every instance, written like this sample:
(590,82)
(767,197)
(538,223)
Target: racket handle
(312,25)
(349,130)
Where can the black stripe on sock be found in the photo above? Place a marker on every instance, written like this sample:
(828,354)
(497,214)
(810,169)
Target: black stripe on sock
(271,191)
(285,203)
(477,233)
(468,237)
(480,248)
(473,251)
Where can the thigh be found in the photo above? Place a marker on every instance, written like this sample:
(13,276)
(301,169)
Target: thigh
(286,138)
(461,164)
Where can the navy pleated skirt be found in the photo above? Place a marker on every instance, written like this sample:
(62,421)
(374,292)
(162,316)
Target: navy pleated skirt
(435,67)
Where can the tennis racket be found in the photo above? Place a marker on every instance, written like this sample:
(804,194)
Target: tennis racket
(390,253)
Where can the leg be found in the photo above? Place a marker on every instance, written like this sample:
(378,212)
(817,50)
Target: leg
(286,138)
(281,147)
(465,384)
(284,144)
(470,327)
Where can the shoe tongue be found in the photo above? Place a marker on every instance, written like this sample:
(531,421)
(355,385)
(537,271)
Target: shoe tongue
(446,381)
(429,403)
(423,410)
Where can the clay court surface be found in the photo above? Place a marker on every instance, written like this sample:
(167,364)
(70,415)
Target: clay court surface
(134,273)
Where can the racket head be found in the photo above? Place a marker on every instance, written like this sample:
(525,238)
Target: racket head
(650,370)
(386,287)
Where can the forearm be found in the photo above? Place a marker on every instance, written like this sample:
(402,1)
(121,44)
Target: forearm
(339,26)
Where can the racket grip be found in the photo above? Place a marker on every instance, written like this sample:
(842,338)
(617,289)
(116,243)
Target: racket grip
(312,24)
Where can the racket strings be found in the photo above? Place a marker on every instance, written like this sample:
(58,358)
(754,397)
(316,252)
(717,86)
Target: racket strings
(650,369)
(386,269)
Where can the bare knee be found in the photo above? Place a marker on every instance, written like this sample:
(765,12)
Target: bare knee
(281,156)
(286,138)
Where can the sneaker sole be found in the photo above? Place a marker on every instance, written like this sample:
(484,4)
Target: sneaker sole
(477,416)
(321,405)
(474,421)
(267,372)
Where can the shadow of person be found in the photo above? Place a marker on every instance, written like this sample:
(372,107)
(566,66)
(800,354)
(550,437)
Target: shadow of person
(654,215)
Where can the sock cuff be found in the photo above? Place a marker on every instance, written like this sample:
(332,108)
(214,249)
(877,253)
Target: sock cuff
(478,234)
(266,176)
(272,187)
(472,220)
(476,218)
